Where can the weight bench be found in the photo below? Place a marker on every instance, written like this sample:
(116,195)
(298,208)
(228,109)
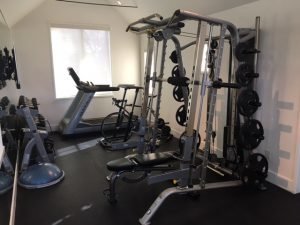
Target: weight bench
(136,163)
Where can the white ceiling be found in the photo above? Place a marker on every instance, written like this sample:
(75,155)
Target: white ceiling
(15,10)
(167,7)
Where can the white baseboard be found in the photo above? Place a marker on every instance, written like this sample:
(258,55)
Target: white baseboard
(281,181)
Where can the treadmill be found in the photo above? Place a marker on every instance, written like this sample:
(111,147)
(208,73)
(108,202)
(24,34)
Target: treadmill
(72,122)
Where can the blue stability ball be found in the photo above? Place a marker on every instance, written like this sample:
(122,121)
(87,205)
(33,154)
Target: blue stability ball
(6,182)
(41,175)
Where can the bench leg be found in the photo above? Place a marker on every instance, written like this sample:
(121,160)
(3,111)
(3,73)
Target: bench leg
(110,193)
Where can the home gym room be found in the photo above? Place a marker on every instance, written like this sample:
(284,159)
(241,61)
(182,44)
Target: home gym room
(149,112)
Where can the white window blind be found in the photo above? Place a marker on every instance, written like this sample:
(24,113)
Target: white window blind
(87,51)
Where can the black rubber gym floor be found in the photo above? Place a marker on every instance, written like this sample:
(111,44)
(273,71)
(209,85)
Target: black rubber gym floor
(78,200)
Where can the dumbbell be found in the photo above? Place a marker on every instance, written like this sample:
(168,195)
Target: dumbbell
(23,101)
(4,102)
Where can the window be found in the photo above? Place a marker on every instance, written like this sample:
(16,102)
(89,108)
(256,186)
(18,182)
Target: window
(87,51)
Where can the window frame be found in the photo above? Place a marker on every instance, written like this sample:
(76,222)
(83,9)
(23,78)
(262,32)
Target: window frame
(107,94)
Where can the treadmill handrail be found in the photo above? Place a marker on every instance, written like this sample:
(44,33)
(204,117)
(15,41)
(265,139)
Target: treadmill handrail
(97,88)
(89,87)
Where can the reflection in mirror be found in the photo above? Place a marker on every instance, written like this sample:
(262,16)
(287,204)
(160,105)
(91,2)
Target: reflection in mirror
(7,151)
(8,69)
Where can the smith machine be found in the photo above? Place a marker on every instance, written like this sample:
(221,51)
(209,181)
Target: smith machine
(193,163)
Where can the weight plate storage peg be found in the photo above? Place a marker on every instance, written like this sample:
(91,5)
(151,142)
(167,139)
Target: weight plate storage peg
(255,170)
(178,93)
(251,134)
(243,51)
(181,115)
(248,102)
(245,74)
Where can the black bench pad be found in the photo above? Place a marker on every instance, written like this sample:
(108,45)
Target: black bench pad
(120,165)
(138,161)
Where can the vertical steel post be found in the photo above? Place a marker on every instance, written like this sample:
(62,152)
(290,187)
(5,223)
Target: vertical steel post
(212,107)
(143,120)
(159,92)
(192,104)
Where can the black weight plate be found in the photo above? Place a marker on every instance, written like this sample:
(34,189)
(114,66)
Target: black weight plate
(248,102)
(240,51)
(181,115)
(160,123)
(244,74)
(173,57)
(178,93)
(255,170)
(175,71)
(251,134)
(165,131)
(181,141)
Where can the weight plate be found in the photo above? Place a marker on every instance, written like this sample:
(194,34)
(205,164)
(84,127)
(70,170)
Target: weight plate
(255,170)
(175,71)
(178,93)
(166,131)
(173,57)
(248,102)
(251,134)
(160,123)
(181,115)
(245,74)
(241,51)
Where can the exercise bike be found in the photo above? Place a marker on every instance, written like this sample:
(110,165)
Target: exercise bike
(117,127)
